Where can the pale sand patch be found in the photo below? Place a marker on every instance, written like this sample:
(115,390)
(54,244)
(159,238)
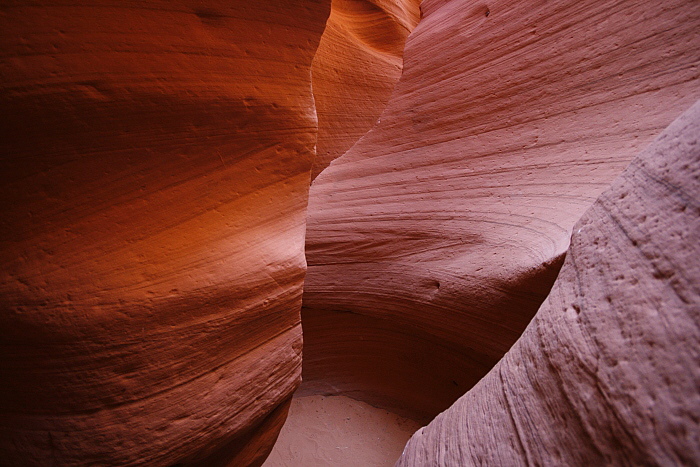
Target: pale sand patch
(341,432)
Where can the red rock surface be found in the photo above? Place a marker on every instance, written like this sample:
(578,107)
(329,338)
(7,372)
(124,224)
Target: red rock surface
(608,371)
(434,240)
(155,170)
(355,69)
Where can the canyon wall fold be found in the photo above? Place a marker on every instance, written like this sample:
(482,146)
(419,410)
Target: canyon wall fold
(155,172)
(433,241)
(356,67)
(608,371)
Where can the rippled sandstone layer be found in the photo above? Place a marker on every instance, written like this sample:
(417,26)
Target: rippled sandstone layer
(608,371)
(155,168)
(356,67)
(155,172)
(432,242)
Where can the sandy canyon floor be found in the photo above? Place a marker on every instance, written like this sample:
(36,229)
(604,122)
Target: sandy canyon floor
(339,431)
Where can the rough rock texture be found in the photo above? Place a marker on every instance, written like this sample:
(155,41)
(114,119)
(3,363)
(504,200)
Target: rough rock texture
(608,372)
(155,169)
(355,69)
(434,240)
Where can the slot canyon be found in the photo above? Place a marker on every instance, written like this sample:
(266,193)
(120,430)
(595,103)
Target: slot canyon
(350,233)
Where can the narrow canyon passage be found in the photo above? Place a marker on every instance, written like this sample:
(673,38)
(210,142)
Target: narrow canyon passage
(356,67)
(433,241)
(437,232)
(414,292)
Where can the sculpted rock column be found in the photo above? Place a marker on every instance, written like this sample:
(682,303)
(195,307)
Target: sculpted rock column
(155,169)
(434,240)
(608,371)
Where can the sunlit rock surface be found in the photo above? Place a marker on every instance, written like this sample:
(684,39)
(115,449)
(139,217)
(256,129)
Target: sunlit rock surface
(608,371)
(155,169)
(434,240)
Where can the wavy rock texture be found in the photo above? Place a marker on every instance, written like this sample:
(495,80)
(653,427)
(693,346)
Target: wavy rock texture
(155,172)
(434,240)
(608,371)
(355,69)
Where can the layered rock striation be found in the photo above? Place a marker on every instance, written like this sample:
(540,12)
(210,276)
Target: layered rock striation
(356,67)
(156,160)
(155,172)
(432,242)
(609,369)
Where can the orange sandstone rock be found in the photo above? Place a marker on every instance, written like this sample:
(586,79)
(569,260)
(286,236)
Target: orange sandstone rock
(434,240)
(608,371)
(355,69)
(155,170)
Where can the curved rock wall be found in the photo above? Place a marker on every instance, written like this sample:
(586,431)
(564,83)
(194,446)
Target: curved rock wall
(155,171)
(355,69)
(608,371)
(434,240)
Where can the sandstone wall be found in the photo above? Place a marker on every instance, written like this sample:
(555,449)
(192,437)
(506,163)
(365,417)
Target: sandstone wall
(608,371)
(155,172)
(433,241)
(358,63)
